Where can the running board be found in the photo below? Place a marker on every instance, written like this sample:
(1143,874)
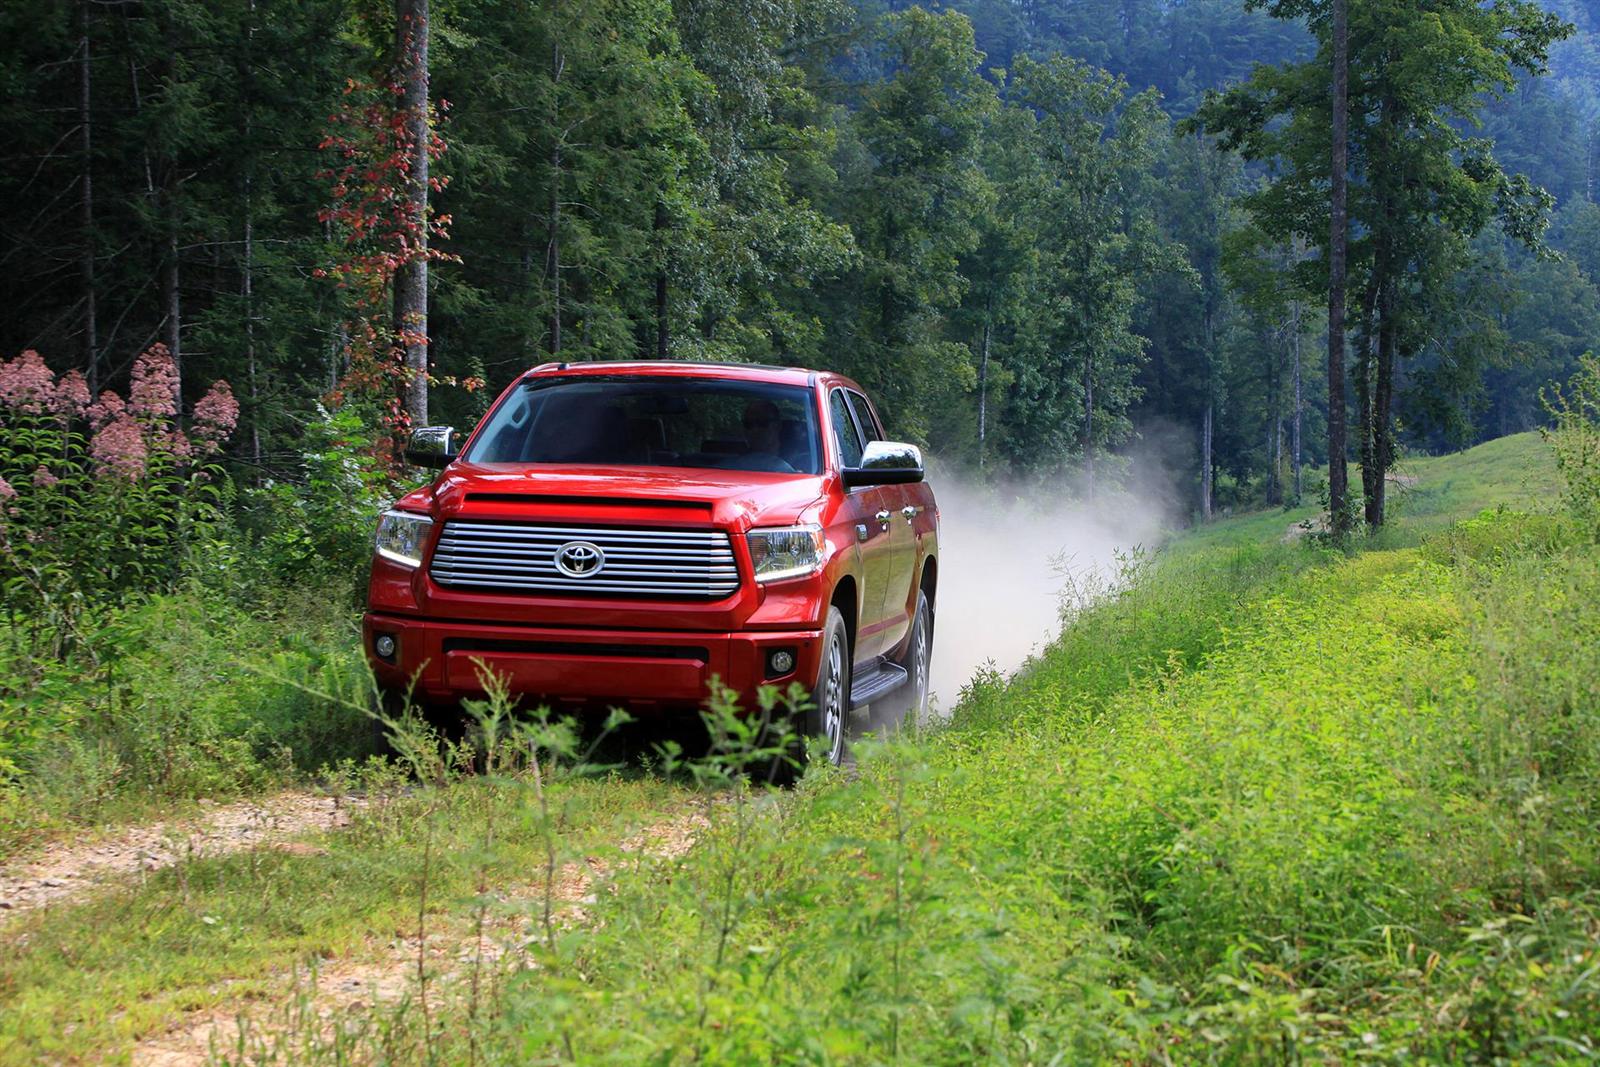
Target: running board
(876,682)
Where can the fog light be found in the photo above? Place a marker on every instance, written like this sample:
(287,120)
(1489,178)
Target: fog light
(383,645)
(780,662)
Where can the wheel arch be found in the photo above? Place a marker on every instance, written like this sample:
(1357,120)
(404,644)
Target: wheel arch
(847,598)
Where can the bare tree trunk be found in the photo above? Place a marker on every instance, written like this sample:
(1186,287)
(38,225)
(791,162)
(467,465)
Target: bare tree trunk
(983,385)
(91,342)
(1338,474)
(247,292)
(663,329)
(1274,432)
(247,282)
(1366,361)
(1205,463)
(411,280)
(1383,401)
(1299,402)
(172,302)
(552,256)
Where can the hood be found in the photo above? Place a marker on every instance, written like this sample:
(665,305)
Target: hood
(676,496)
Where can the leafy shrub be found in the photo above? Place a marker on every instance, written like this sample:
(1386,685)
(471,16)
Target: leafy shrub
(1575,440)
(193,697)
(318,526)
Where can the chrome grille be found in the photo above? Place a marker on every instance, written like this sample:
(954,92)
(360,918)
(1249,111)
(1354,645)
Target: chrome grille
(517,557)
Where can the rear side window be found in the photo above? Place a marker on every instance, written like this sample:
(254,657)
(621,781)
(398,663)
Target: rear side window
(864,418)
(844,429)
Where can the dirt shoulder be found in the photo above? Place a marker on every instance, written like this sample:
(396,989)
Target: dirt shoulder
(67,871)
(343,993)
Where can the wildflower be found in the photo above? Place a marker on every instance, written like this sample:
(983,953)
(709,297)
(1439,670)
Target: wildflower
(107,409)
(215,416)
(6,492)
(43,479)
(119,449)
(26,383)
(173,443)
(72,395)
(154,391)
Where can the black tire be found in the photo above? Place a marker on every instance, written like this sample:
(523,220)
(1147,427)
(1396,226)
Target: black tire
(391,706)
(912,698)
(829,714)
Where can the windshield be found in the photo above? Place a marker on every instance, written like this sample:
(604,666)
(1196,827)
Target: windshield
(654,422)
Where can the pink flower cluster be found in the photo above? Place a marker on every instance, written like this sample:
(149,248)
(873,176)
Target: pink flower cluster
(107,409)
(154,390)
(215,416)
(119,449)
(26,384)
(6,492)
(125,432)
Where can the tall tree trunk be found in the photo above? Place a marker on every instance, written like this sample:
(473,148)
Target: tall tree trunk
(1338,474)
(1383,401)
(1208,337)
(663,330)
(247,293)
(1299,402)
(552,254)
(247,281)
(172,303)
(1366,362)
(91,342)
(411,280)
(1274,442)
(983,384)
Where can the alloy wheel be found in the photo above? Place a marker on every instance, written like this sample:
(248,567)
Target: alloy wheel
(833,701)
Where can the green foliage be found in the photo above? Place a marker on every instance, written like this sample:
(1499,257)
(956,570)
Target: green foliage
(1575,440)
(194,697)
(318,527)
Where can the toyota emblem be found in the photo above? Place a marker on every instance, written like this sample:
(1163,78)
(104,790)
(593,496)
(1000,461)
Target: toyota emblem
(580,559)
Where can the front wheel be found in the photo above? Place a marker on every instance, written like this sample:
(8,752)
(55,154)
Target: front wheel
(827,716)
(830,697)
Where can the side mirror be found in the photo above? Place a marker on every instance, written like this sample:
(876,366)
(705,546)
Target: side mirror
(432,446)
(886,463)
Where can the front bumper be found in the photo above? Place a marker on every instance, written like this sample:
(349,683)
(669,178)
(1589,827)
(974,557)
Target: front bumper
(444,661)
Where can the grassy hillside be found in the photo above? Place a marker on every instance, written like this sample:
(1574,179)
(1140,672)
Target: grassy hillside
(1271,802)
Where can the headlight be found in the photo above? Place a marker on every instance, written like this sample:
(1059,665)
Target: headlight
(401,535)
(786,552)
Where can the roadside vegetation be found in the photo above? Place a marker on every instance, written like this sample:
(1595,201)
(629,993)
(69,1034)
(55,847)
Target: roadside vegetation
(1265,799)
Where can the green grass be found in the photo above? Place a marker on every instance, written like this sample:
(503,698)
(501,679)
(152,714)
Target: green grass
(83,982)
(1268,803)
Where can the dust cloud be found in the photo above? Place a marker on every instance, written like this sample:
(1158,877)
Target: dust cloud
(1009,558)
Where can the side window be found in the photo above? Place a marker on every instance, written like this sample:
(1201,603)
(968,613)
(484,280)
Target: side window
(844,430)
(864,418)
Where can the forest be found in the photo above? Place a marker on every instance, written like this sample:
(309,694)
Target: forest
(1254,340)
(1022,225)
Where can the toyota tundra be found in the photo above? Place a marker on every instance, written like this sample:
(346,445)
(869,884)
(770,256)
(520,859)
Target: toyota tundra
(631,534)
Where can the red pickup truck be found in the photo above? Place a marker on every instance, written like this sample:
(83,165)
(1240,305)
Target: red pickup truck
(625,533)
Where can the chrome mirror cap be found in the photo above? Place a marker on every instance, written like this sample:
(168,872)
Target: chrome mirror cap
(432,446)
(886,463)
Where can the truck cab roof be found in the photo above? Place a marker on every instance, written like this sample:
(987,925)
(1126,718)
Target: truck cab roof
(760,372)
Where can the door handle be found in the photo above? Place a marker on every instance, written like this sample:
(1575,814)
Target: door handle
(883,518)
